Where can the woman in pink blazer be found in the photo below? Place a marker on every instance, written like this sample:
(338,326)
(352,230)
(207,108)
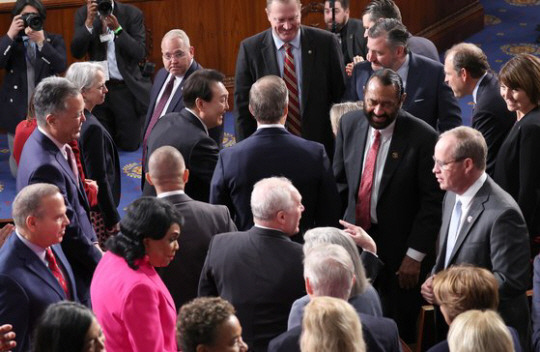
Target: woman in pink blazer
(133,306)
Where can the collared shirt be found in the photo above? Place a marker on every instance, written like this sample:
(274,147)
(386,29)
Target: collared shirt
(177,81)
(297,53)
(475,91)
(193,112)
(467,197)
(60,146)
(270,125)
(40,252)
(171,193)
(403,71)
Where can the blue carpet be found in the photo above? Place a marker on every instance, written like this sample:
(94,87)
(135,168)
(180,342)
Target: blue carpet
(509,29)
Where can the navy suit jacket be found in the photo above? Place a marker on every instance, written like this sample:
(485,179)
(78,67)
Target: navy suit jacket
(428,97)
(28,287)
(275,152)
(43,162)
(323,81)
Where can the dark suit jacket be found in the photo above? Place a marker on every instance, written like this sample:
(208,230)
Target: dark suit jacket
(428,97)
(323,81)
(276,152)
(517,169)
(493,236)
(535,306)
(186,132)
(101,163)
(380,335)
(28,287)
(130,46)
(43,162)
(423,46)
(201,222)
(354,40)
(492,118)
(260,272)
(50,61)
(409,203)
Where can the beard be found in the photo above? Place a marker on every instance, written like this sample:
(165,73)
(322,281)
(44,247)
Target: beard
(380,122)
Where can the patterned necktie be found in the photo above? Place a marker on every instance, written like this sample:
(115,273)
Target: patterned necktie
(363,203)
(452,232)
(72,162)
(53,266)
(289,76)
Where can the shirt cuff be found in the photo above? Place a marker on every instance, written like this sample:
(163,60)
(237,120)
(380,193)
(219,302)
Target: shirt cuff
(416,255)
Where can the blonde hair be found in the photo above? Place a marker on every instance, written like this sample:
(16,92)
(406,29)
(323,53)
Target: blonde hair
(331,325)
(340,109)
(479,331)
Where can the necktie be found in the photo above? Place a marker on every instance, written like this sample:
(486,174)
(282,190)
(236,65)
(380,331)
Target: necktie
(53,266)
(157,111)
(72,162)
(30,49)
(289,76)
(363,204)
(452,231)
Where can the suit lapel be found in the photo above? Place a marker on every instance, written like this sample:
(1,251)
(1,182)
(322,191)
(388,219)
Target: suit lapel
(395,152)
(308,62)
(413,81)
(448,203)
(178,94)
(269,54)
(358,145)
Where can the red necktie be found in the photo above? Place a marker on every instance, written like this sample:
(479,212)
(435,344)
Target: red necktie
(289,76)
(72,162)
(53,266)
(363,203)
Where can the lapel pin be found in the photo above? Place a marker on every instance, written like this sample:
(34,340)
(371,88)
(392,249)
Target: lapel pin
(309,52)
(395,155)
(469,218)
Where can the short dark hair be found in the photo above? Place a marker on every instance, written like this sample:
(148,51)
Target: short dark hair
(344,3)
(523,72)
(146,217)
(378,9)
(199,85)
(469,57)
(396,33)
(62,327)
(389,77)
(199,319)
(20,4)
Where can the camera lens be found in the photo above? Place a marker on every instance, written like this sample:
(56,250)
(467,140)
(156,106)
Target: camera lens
(33,20)
(104,7)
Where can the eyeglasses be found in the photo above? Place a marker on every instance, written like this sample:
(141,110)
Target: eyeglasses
(177,55)
(444,165)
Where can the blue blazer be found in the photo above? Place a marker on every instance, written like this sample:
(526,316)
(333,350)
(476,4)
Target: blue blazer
(28,287)
(43,162)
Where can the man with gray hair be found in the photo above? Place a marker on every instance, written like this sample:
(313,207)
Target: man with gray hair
(272,150)
(34,271)
(428,97)
(49,159)
(260,270)
(329,271)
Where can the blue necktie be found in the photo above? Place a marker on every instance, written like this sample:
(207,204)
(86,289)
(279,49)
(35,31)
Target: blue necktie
(453,231)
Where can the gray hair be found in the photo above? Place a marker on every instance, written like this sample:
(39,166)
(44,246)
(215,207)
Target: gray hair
(268,98)
(332,235)
(395,32)
(330,271)
(28,202)
(50,97)
(177,33)
(83,74)
(271,195)
(470,144)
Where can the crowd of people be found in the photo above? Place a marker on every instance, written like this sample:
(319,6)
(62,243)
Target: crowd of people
(352,196)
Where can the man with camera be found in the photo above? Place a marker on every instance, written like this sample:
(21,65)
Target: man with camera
(114,33)
(28,54)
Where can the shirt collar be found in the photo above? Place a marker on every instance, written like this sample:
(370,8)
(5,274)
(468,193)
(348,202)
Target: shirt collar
(171,193)
(269,125)
(385,132)
(40,252)
(404,69)
(467,196)
(295,43)
(475,91)
(60,146)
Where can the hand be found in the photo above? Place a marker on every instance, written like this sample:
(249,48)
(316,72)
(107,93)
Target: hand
(91,12)
(408,273)
(17,24)
(4,233)
(360,237)
(350,66)
(92,184)
(112,22)
(427,290)
(7,338)
(37,37)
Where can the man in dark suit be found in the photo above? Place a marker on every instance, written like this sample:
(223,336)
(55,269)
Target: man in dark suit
(481,225)
(329,271)
(383,167)
(260,271)
(34,272)
(271,151)
(319,79)
(467,72)
(119,39)
(49,159)
(428,97)
(168,174)
(205,98)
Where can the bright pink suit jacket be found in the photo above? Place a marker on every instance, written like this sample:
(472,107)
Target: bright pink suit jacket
(134,308)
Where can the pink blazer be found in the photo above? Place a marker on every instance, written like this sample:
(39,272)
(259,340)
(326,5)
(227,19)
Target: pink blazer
(134,308)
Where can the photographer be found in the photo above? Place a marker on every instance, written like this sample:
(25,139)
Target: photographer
(114,33)
(28,54)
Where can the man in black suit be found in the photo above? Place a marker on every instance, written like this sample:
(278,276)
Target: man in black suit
(119,39)
(428,97)
(260,271)
(383,167)
(205,99)
(481,225)
(466,71)
(168,174)
(271,151)
(319,72)
(329,271)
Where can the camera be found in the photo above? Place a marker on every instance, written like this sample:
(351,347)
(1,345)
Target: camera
(33,20)
(104,7)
